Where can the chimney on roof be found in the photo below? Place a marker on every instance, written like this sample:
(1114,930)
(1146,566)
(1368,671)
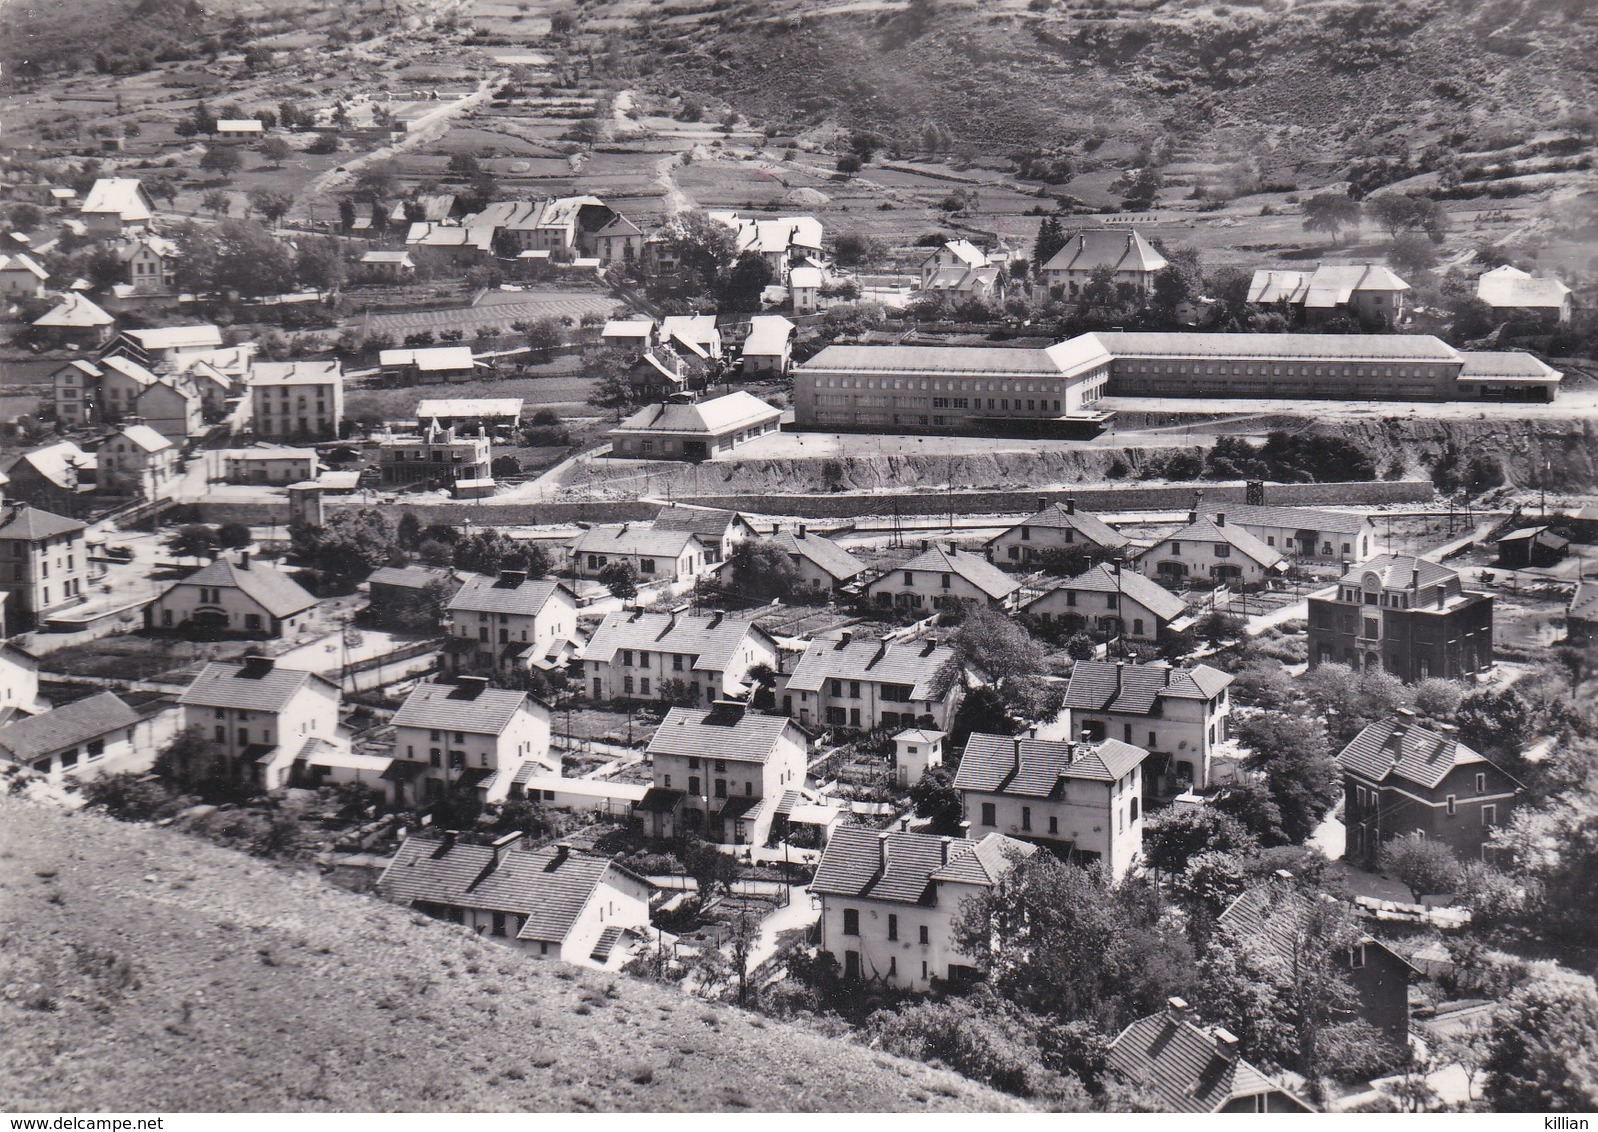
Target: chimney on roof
(244,560)
(965,830)
(931,646)
(1167,672)
(502,846)
(1015,748)
(1192,516)
(1414,579)
(1177,1010)
(882,850)
(904,825)
(1220,518)
(1120,675)
(943,848)
(1086,737)
(1070,505)
(563,850)
(844,638)
(1226,1043)
(511,579)
(926,544)
(448,841)
(1043,504)
(469,687)
(717,616)
(800,532)
(255,666)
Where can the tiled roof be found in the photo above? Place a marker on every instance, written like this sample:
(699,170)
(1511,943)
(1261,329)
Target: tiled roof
(710,522)
(1129,583)
(296,373)
(964,251)
(1057,516)
(1584,602)
(124,196)
(1397,571)
(723,733)
(22,263)
(700,329)
(1302,518)
(732,412)
(128,368)
(65,726)
(20,521)
(1276,347)
(409,577)
(1060,359)
(482,594)
(635,538)
(1272,916)
(915,663)
(1275,286)
(852,864)
(1034,768)
(145,437)
(1503,365)
(74,312)
(1333,284)
(451,707)
(972,567)
(825,554)
(628,328)
(270,588)
(768,335)
(1508,286)
(1134,689)
(711,640)
(60,463)
(1207,530)
(1119,249)
(509,408)
(1391,748)
(438,358)
(1183,1066)
(249,686)
(198,337)
(549,886)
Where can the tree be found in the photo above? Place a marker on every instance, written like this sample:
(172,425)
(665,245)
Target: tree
(1412,253)
(490,551)
(319,263)
(857,249)
(1262,683)
(762,570)
(703,246)
(129,796)
(1330,212)
(378,180)
(849,164)
(193,540)
(1494,723)
(1438,699)
(223,160)
(1006,657)
(104,267)
(276,149)
(1050,239)
(191,758)
(1350,700)
(1175,836)
(710,868)
(936,799)
(544,337)
(235,255)
(218,202)
(745,282)
(346,213)
(234,535)
(349,547)
(620,578)
(742,936)
(1406,212)
(1542,1055)
(273,204)
(1423,865)
(1291,754)
(25,217)
(614,392)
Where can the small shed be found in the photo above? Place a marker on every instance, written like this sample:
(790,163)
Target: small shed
(1531,546)
(915,751)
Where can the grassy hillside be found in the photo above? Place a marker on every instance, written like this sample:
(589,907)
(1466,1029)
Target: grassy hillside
(141,970)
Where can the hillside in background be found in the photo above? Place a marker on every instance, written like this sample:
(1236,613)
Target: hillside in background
(142,970)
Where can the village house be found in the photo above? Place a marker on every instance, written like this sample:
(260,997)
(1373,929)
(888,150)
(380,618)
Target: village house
(944,579)
(383,266)
(1581,615)
(782,241)
(116,205)
(151,263)
(1366,291)
(1511,292)
(1055,529)
(432,366)
(439,457)
(260,717)
(21,278)
(467,736)
(447,247)
(44,564)
(1225,554)
(916,750)
(1308,534)
(1506,375)
(823,565)
(694,430)
(655,555)
(696,334)
(75,321)
(497,416)
(58,477)
(1122,251)
(1109,601)
(890,900)
(1404,780)
(632,336)
(155,347)
(804,289)
(1082,798)
(509,623)
(433,208)
(19,679)
(240,129)
(76,387)
(1178,715)
(660,373)
(1403,615)
(402,597)
(720,531)
(1272,917)
(1183,1066)
(720,772)
(85,739)
(297,400)
(617,240)
(269,463)
(957,256)
(115,394)
(171,406)
(603,796)
(136,461)
(864,684)
(768,349)
(636,655)
(233,598)
(1526,547)
(554,902)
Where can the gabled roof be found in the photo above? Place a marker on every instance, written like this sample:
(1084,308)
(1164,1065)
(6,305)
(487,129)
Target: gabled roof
(1128,583)
(1207,530)
(963,251)
(200,337)
(1185,1067)
(124,196)
(769,336)
(699,329)
(1505,365)
(74,312)
(716,416)
(1068,358)
(805,277)
(821,552)
(710,523)
(1393,748)
(270,588)
(972,567)
(1275,286)
(381,256)
(87,368)
(457,408)
(1272,916)
(636,539)
(60,463)
(711,640)
(912,663)
(144,437)
(1059,516)
(1508,286)
(410,577)
(549,886)
(251,686)
(1300,518)
(1584,602)
(900,867)
(296,373)
(482,594)
(22,263)
(65,726)
(628,328)
(1135,689)
(436,207)
(723,732)
(29,524)
(1333,284)
(159,245)
(1119,249)
(452,707)
(1037,768)
(429,360)
(1398,572)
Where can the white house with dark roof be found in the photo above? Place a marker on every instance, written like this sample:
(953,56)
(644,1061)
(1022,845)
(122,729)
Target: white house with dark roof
(554,902)
(1109,600)
(1054,528)
(468,736)
(863,684)
(720,771)
(939,578)
(694,430)
(84,739)
(44,564)
(890,900)
(1124,252)
(510,622)
(1083,797)
(721,531)
(76,321)
(1509,291)
(261,717)
(1178,715)
(657,555)
(136,461)
(769,346)
(1309,534)
(633,655)
(233,597)
(1212,549)
(1366,290)
(822,564)
(301,400)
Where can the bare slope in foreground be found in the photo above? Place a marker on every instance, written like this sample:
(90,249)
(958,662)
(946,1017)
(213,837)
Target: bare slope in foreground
(141,970)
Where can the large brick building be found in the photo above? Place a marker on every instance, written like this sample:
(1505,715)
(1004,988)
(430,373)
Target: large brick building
(1408,616)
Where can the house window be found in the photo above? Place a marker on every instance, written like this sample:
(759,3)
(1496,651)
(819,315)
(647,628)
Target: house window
(721,787)
(1054,824)
(1134,809)
(851,921)
(893,926)
(1450,804)
(1489,816)
(646,565)
(989,816)
(1356,956)
(922,936)
(693,785)
(1481,784)
(1026,817)
(693,763)
(643,686)
(721,766)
